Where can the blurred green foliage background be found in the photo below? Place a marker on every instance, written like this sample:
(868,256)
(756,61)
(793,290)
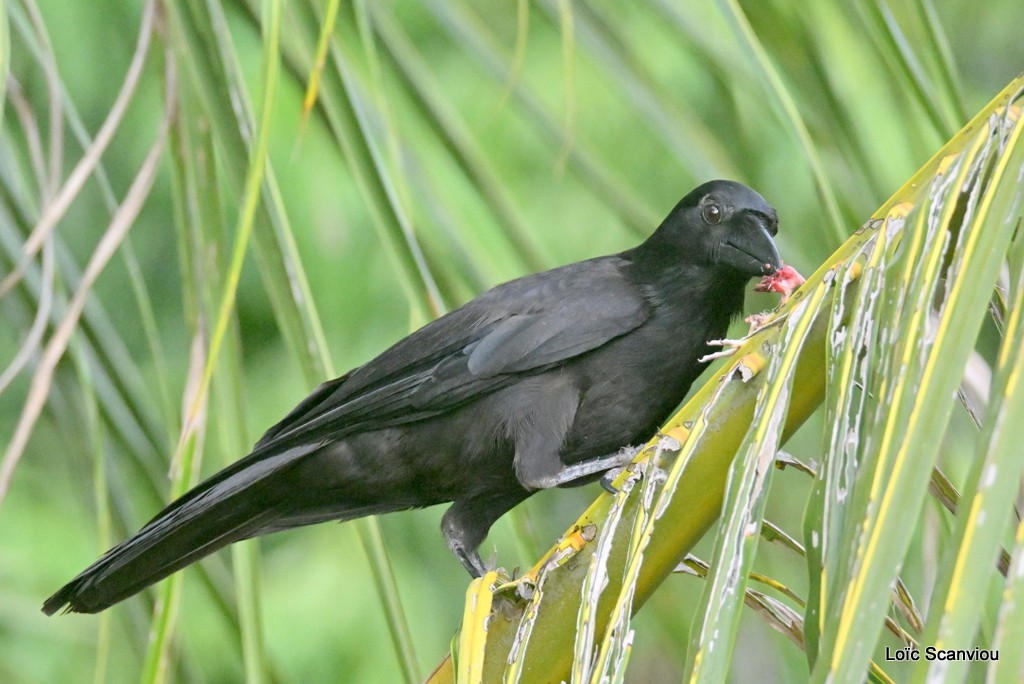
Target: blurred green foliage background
(511,137)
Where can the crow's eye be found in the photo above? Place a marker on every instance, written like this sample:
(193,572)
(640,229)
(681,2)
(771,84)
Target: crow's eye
(711,213)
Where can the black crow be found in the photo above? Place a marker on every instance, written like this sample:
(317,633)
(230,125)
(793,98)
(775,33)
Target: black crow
(537,383)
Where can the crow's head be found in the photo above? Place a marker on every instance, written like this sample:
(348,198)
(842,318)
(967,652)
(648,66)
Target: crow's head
(724,223)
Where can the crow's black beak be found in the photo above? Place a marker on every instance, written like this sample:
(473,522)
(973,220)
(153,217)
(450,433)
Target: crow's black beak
(752,250)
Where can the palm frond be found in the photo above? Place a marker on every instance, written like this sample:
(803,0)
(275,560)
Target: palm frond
(413,154)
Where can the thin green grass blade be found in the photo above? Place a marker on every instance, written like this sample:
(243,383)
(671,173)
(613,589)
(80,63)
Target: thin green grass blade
(939,49)
(382,569)
(783,99)
(94,430)
(907,64)
(567,32)
(388,163)
(202,31)
(229,408)
(691,141)
(323,44)
(457,137)
(5,58)
(815,37)
(518,50)
(156,663)
(349,113)
(250,198)
(147,315)
(478,40)
(33,24)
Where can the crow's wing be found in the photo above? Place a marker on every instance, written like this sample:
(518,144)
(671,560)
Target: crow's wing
(521,327)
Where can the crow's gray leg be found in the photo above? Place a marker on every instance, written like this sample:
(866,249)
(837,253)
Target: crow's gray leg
(467,521)
(550,472)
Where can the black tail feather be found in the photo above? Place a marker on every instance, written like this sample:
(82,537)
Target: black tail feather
(241,501)
(158,550)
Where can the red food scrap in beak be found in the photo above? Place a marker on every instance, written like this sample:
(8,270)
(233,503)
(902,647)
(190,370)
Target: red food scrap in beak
(784,281)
